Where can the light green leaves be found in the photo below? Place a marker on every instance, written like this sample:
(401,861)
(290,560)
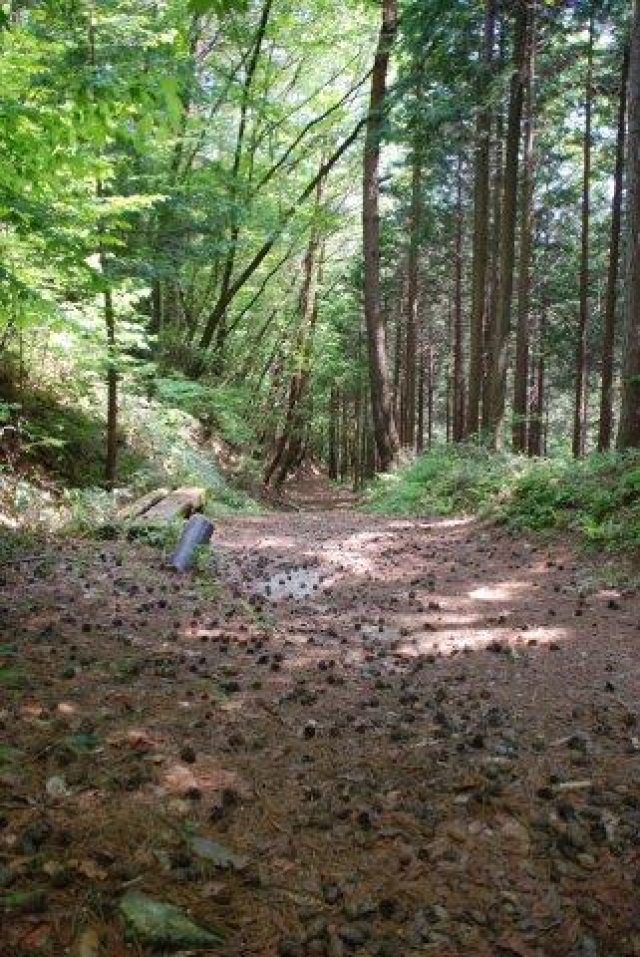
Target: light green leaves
(219,7)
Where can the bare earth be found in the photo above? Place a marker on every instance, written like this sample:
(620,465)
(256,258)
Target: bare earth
(411,737)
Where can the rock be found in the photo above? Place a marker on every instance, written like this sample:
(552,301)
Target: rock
(217,854)
(360,908)
(586,947)
(57,788)
(158,924)
(354,935)
(331,893)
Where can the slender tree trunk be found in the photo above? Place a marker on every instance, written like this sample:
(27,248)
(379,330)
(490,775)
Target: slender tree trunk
(111,461)
(344,438)
(362,456)
(397,368)
(111,456)
(415,226)
(536,413)
(580,403)
(430,374)
(492,290)
(449,379)
(629,428)
(458,397)
(421,384)
(385,430)
(608,341)
(333,434)
(480,226)
(497,378)
(521,370)
(289,444)
(357,418)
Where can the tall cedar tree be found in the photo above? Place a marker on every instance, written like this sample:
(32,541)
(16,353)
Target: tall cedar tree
(499,342)
(384,424)
(629,430)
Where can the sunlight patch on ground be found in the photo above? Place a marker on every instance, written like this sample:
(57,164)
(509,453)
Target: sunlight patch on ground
(499,591)
(274,542)
(545,634)
(349,554)
(445,642)
(445,523)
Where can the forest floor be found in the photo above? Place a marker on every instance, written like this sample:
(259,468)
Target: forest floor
(350,735)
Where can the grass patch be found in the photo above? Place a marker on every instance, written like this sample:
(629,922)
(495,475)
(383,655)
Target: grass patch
(9,755)
(598,497)
(13,679)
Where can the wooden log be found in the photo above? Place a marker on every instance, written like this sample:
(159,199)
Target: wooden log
(178,504)
(141,505)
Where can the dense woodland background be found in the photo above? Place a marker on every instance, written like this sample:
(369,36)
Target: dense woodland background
(333,233)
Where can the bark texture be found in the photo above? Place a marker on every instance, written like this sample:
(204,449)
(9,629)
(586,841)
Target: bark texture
(384,425)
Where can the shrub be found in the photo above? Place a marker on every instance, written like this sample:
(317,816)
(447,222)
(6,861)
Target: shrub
(597,497)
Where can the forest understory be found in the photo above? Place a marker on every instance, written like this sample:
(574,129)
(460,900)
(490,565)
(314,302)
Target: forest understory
(347,734)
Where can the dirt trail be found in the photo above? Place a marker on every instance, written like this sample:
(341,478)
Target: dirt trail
(418,737)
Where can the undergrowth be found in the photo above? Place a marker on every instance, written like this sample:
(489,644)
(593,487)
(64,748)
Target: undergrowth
(597,498)
(52,444)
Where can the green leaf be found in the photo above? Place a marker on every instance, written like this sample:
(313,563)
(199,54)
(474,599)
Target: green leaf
(220,7)
(163,925)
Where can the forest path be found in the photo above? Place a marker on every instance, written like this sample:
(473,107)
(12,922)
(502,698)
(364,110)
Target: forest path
(410,736)
(315,493)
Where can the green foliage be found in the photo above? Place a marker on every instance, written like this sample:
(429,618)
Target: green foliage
(68,442)
(224,408)
(597,498)
(220,7)
(445,481)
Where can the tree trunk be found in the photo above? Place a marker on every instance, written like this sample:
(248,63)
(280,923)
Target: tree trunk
(492,290)
(397,366)
(580,402)
(608,341)
(111,461)
(480,227)
(111,456)
(449,377)
(384,424)
(521,370)
(536,412)
(415,226)
(629,429)
(421,384)
(333,434)
(457,418)
(344,439)
(497,377)
(289,444)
